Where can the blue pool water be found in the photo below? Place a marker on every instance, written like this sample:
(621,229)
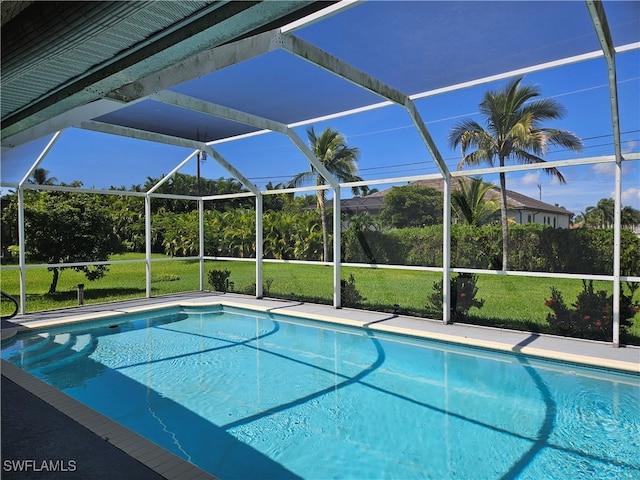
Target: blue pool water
(251,395)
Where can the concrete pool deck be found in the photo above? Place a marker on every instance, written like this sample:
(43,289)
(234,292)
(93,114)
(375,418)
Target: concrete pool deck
(73,426)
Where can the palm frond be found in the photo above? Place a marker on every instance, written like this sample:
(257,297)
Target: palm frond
(563,138)
(528,158)
(300,179)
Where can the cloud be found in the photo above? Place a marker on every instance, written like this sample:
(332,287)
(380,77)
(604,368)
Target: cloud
(530,178)
(608,169)
(516,179)
(631,197)
(629,146)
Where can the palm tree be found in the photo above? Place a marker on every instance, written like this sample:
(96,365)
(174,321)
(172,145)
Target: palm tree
(513,131)
(470,204)
(340,160)
(40,176)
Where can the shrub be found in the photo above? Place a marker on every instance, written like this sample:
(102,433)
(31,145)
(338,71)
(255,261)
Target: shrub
(219,279)
(592,313)
(349,294)
(463,295)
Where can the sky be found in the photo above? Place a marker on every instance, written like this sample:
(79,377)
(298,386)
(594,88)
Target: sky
(388,144)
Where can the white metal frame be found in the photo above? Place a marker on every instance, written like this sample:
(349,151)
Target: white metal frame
(216,58)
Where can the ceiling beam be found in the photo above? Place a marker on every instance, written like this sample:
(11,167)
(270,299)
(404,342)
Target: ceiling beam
(326,61)
(208,108)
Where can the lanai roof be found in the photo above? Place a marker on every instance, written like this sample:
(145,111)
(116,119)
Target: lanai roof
(195,73)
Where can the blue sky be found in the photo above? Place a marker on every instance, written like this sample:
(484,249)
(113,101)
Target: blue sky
(389,145)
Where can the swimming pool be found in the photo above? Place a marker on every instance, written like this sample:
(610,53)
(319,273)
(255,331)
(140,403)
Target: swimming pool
(246,394)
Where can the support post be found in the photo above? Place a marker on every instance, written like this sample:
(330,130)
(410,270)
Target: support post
(21,254)
(147,237)
(446,251)
(616,253)
(259,246)
(601,25)
(201,240)
(337,230)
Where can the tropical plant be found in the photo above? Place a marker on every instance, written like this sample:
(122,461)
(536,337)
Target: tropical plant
(463,291)
(40,176)
(219,279)
(340,160)
(592,313)
(470,203)
(349,294)
(240,232)
(603,215)
(278,229)
(629,217)
(513,131)
(182,184)
(127,215)
(600,216)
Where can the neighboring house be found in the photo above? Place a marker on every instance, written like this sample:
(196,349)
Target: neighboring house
(522,209)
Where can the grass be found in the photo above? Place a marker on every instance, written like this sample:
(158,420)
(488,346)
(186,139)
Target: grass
(511,302)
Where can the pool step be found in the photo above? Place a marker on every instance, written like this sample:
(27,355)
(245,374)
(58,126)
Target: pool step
(39,341)
(57,344)
(83,347)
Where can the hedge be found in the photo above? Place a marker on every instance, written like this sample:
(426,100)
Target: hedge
(532,247)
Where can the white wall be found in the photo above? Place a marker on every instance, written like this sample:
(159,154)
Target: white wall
(525,216)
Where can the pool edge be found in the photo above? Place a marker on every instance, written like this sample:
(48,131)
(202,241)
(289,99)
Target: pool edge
(154,457)
(461,334)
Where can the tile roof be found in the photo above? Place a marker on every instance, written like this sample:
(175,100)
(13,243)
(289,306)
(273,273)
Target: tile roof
(517,201)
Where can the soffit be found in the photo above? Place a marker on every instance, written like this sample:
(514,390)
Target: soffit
(59,56)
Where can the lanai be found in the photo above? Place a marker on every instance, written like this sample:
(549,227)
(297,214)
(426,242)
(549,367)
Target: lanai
(205,74)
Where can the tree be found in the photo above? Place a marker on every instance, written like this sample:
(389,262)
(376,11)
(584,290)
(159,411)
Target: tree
(331,150)
(181,184)
(127,217)
(603,215)
(630,217)
(40,176)
(513,131)
(470,204)
(412,206)
(63,227)
(276,202)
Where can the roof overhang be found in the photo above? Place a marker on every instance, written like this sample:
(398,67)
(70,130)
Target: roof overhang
(61,61)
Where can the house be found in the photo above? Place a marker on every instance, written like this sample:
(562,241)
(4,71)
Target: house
(522,209)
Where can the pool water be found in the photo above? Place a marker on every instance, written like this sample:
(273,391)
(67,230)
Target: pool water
(245,394)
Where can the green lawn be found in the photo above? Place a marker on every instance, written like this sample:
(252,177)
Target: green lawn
(513,302)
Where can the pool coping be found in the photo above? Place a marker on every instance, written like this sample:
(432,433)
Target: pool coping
(564,349)
(158,459)
(576,351)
